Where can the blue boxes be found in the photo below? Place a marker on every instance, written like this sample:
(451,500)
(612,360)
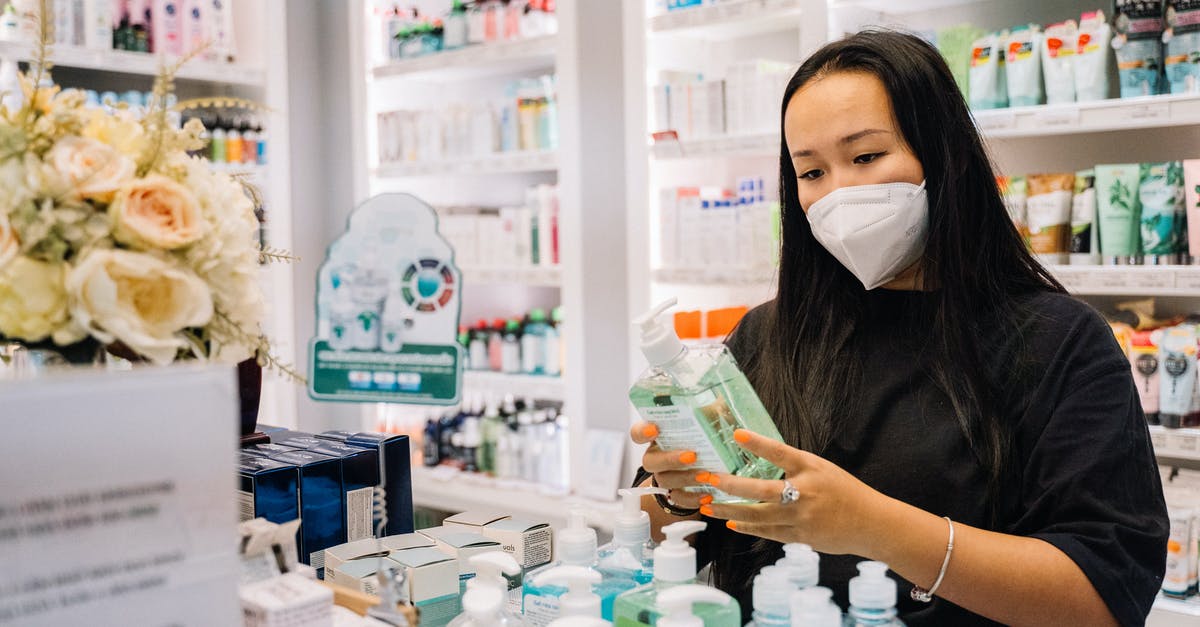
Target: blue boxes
(267,489)
(396,474)
(360,478)
(321,503)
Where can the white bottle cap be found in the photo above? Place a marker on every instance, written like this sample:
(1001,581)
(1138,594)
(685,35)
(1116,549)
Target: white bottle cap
(675,559)
(483,603)
(577,543)
(676,604)
(771,591)
(803,564)
(633,524)
(579,600)
(813,607)
(490,569)
(659,342)
(872,589)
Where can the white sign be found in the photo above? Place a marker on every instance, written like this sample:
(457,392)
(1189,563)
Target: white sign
(116,499)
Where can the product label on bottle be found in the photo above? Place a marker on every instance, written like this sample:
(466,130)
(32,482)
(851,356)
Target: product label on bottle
(540,611)
(245,502)
(1175,580)
(678,431)
(359,509)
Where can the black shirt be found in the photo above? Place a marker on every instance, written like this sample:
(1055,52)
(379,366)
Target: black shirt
(1087,477)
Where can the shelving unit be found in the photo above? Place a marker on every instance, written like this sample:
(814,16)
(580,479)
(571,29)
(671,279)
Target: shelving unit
(729,19)
(520,386)
(531,277)
(475,61)
(140,64)
(499,163)
(1091,117)
(1130,280)
(717,147)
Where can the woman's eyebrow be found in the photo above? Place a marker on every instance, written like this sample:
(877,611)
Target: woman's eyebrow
(849,139)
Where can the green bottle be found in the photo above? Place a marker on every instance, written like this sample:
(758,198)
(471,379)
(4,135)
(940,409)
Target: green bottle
(698,398)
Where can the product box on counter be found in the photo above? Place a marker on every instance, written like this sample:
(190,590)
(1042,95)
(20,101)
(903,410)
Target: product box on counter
(267,489)
(335,556)
(431,577)
(360,477)
(321,503)
(530,543)
(462,545)
(287,600)
(406,541)
(396,478)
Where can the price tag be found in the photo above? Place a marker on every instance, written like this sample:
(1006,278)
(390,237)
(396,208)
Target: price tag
(1058,118)
(1159,440)
(1188,279)
(1149,112)
(995,120)
(1073,280)
(1112,280)
(1156,279)
(667,145)
(1184,442)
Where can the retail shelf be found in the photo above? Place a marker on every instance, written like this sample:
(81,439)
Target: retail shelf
(1130,280)
(901,7)
(759,145)
(139,64)
(715,277)
(1190,607)
(1116,114)
(728,20)
(521,386)
(1176,443)
(474,61)
(499,163)
(550,276)
(448,489)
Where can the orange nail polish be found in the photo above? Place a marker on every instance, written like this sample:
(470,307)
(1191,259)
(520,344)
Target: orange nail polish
(732,525)
(706,510)
(713,479)
(651,431)
(707,499)
(742,436)
(687,457)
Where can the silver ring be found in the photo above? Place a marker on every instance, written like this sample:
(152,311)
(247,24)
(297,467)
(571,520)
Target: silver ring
(790,493)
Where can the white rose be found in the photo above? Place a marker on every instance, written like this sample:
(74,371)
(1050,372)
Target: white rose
(33,302)
(156,212)
(9,244)
(139,300)
(95,170)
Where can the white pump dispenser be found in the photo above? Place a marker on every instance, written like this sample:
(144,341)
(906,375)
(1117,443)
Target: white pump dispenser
(814,607)
(675,559)
(659,342)
(579,600)
(577,543)
(630,551)
(487,593)
(771,592)
(802,564)
(677,602)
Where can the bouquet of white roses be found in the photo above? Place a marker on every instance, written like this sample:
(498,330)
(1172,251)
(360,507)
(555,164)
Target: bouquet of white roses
(111,232)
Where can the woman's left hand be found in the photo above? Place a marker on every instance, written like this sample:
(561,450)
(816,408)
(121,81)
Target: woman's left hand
(834,512)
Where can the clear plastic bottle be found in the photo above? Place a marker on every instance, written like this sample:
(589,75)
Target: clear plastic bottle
(698,398)
(631,552)
(484,601)
(814,607)
(477,348)
(511,348)
(533,343)
(802,564)
(490,427)
(682,608)
(872,598)
(575,546)
(771,593)
(496,345)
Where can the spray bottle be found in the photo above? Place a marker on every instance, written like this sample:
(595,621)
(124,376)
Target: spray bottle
(484,601)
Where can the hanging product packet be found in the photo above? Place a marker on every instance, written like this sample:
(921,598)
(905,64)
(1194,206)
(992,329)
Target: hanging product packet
(1085,249)
(1013,190)
(955,44)
(1049,216)
(1092,57)
(1138,27)
(1023,66)
(989,88)
(1163,211)
(1182,40)
(1058,61)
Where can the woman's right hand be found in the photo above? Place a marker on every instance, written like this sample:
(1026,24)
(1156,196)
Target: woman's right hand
(671,469)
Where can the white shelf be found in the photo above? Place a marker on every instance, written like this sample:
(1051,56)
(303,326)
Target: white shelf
(139,64)
(448,489)
(714,277)
(1116,114)
(1130,280)
(1175,443)
(728,20)
(763,145)
(474,61)
(520,386)
(549,276)
(1188,608)
(499,163)
(901,7)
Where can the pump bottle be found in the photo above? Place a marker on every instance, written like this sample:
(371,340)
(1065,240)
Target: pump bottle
(576,545)
(680,608)
(872,598)
(484,601)
(772,590)
(631,552)
(698,398)
(802,565)
(814,607)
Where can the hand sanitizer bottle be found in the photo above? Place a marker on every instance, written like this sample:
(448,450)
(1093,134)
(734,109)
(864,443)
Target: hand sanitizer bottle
(631,552)
(681,609)
(579,581)
(533,343)
(872,597)
(802,565)
(674,566)
(814,607)
(575,546)
(698,397)
(484,601)
(771,592)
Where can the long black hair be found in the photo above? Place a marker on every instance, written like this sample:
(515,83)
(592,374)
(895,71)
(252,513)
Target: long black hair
(803,366)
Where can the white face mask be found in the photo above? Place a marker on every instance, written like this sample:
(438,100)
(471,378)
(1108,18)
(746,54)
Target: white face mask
(876,231)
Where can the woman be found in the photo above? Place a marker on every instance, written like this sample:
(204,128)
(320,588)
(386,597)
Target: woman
(929,376)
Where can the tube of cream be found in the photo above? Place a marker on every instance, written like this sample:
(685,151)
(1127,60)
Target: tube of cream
(1023,66)
(1182,40)
(1015,191)
(1084,249)
(1138,27)
(989,88)
(1049,211)
(1161,197)
(1143,357)
(1118,211)
(1058,61)
(1092,57)
(1191,189)
(1177,358)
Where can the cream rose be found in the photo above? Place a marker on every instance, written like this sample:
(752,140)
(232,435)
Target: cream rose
(138,299)
(9,244)
(94,169)
(156,212)
(33,301)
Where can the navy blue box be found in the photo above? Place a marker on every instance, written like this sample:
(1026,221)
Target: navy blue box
(360,477)
(394,458)
(267,489)
(321,503)
(267,450)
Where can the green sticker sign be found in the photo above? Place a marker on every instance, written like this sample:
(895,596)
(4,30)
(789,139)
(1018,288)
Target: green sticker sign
(388,306)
